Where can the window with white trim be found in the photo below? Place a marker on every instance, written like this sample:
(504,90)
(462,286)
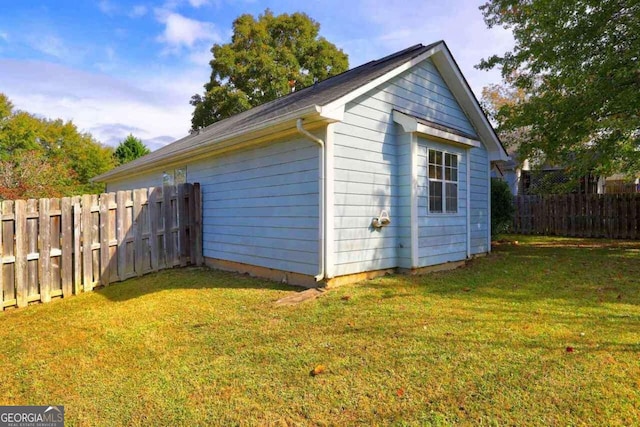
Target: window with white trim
(443,181)
(175,176)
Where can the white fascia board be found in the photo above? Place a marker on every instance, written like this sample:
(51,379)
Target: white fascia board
(342,101)
(452,75)
(411,124)
(442,134)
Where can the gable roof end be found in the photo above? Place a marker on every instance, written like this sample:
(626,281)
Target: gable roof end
(458,85)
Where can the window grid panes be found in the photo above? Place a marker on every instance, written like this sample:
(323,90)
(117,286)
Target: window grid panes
(443,181)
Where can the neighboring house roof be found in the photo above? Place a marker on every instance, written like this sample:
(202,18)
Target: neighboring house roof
(324,100)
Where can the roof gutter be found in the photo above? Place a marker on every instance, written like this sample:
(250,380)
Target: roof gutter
(321,205)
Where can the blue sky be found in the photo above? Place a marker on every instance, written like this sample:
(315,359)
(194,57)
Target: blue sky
(116,67)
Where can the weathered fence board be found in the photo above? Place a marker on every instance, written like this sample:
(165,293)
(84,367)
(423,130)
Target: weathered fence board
(60,247)
(67,246)
(614,216)
(20,257)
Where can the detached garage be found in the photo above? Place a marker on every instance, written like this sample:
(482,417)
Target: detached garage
(386,166)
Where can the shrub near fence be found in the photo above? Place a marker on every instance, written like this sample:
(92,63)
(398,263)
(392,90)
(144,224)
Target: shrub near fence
(615,216)
(60,247)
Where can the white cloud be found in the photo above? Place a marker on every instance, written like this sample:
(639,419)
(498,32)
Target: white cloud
(198,3)
(107,107)
(138,11)
(107,7)
(182,31)
(51,45)
(458,23)
(4,36)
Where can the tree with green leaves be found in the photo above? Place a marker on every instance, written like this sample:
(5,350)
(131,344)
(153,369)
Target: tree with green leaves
(577,61)
(47,158)
(130,149)
(267,58)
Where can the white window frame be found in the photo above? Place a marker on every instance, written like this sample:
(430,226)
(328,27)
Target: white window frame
(443,181)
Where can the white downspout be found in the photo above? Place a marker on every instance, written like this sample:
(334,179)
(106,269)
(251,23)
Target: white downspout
(468,161)
(321,213)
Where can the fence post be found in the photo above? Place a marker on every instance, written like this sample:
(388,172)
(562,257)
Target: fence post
(121,234)
(77,252)
(152,208)
(103,206)
(168,226)
(20,263)
(198,223)
(137,230)
(182,225)
(87,256)
(66,263)
(44,231)
(162,239)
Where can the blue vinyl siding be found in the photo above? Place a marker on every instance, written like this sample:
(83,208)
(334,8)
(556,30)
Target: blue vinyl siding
(260,206)
(372,169)
(405,182)
(479,201)
(365,184)
(139,181)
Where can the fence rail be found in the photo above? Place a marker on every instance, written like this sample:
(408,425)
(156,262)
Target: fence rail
(615,216)
(60,247)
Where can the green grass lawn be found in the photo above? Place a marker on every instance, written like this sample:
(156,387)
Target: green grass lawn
(486,344)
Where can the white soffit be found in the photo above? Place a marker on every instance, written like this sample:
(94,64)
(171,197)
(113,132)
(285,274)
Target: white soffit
(411,124)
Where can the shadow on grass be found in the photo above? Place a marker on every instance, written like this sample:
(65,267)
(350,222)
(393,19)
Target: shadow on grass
(188,278)
(580,273)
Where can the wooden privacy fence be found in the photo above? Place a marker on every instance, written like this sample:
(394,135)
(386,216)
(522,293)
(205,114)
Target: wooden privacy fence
(60,247)
(615,216)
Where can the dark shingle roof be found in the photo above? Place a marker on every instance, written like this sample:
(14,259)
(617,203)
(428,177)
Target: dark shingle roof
(320,94)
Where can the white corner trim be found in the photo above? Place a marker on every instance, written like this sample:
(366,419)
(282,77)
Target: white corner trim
(489,206)
(329,215)
(468,160)
(342,101)
(415,258)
